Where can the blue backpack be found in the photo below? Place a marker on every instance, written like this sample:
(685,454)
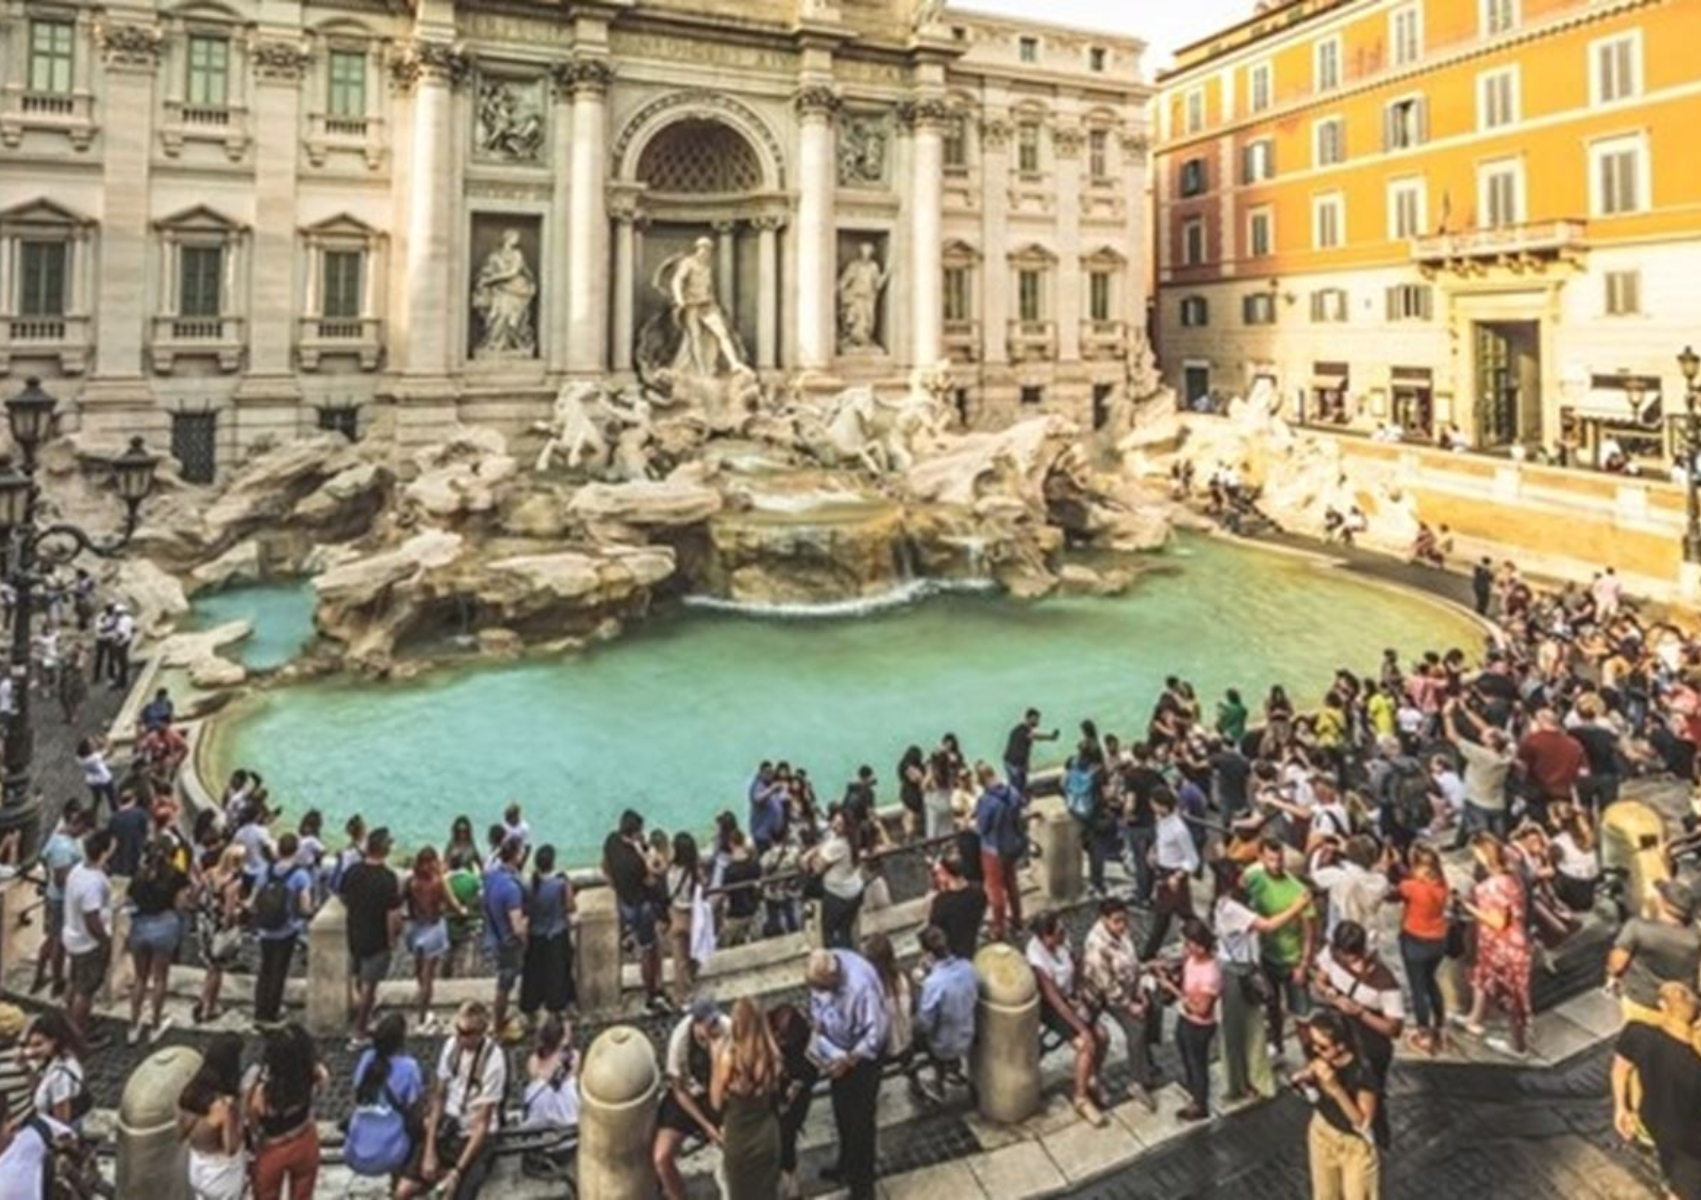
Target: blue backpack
(1078,792)
(379,1140)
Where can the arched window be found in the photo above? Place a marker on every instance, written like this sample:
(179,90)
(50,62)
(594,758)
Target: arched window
(697,157)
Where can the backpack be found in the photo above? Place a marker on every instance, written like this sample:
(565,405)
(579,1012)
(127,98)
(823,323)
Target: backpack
(1408,795)
(1078,793)
(379,1138)
(272,903)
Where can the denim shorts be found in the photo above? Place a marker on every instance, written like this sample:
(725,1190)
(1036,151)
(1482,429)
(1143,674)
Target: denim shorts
(157,933)
(429,940)
(640,919)
(510,959)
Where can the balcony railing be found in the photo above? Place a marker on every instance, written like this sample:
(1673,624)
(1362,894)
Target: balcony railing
(1104,339)
(360,337)
(69,114)
(223,124)
(353,135)
(1032,341)
(220,338)
(962,341)
(67,338)
(1538,239)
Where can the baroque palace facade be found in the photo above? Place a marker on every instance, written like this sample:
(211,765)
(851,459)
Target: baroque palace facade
(1477,214)
(225,221)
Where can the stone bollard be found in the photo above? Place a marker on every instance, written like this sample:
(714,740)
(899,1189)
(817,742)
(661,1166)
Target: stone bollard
(617,1116)
(596,954)
(1060,841)
(152,1159)
(327,970)
(1005,1058)
(23,923)
(1632,838)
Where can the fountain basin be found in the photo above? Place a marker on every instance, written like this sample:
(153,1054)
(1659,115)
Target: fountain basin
(672,718)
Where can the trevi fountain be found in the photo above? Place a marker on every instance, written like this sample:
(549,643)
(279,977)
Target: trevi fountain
(662,585)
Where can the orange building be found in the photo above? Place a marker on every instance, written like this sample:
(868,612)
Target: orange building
(1470,215)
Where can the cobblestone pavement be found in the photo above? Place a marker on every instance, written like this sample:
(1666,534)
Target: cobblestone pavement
(1459,1131)
(54,765)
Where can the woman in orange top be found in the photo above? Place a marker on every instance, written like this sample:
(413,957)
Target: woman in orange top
(1423,940)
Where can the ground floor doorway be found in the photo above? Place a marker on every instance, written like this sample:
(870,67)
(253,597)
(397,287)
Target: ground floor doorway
(1508,383)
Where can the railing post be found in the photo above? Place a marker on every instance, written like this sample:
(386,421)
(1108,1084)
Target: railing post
(596,957)
(1060,840)
(152,1159)
(327,969)
(1005,1057)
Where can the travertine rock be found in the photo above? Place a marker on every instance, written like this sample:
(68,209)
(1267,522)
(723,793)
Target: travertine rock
(239,564)
(152,596)
(213,672)
(647,504)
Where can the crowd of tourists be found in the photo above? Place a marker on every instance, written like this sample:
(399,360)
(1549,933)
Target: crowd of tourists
(1240,864)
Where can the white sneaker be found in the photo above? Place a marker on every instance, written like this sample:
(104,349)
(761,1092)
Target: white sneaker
(1502,1045)
(134,1035)
(159,1030)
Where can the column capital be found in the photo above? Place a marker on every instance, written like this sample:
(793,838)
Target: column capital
(994,133)
(1136,145)
(725,225)
(420,61)
(817,100)
(925,112)
(768,223)
(588,75)
(1066,140)
(126,47)
(279,61)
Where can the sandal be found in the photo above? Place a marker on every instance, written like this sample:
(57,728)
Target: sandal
(1090,1113)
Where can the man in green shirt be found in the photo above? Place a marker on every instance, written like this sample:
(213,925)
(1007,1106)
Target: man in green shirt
(1231,718)
(1286,953)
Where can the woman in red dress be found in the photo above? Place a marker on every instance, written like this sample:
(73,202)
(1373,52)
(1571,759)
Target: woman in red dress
(1501,973)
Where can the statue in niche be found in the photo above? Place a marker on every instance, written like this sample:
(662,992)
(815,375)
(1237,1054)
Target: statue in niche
(510,124)
(705,339)
(860,285)
(502,297)
(862,152)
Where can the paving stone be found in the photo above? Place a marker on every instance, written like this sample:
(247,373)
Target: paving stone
(948,1181)
(1024,1169)
(1082,1151)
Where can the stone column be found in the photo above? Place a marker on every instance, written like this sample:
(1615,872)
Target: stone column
(1005,1058)
(926,118)
(619,1085)
(726,268)
(816,105)
(625,266)
(597,950)
(1068,298)
(767,291)
(327,970)
(1135,146)
(131,55)
(994,281)
(554,279)
(587,236)
(152,1160)
(431,69)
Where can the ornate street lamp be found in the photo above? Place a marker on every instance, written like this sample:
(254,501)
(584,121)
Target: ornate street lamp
(30,415)
(1690,364)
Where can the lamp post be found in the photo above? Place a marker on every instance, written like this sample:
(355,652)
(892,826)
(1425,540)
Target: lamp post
(1690,364)
(30,415)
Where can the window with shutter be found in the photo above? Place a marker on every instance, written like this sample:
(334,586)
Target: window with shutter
(1098,296)
(1259,91)
(1028,296)
(209,72)
(1623,293)
(343,271)
(957,294)
(200,280)
(1618,176)
(346,73)
(41,278)
(1616,74)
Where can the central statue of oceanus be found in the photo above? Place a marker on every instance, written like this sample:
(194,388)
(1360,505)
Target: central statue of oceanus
(691,340)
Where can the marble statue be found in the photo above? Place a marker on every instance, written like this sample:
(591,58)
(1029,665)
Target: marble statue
(860,285)
(510,123)
(573,428)
(502,297)
(862,152)
(1142,364)
(928,13)
(689,282)
(630,430)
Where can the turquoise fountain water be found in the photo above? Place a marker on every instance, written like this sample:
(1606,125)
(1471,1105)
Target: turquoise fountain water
(672,719)
(281,613)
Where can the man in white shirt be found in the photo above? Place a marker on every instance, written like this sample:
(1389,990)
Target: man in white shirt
(87,935)
(1354,885)
(1175,859)
(123,633)
(465,1109)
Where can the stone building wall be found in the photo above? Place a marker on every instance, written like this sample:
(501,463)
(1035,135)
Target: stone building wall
(225,223)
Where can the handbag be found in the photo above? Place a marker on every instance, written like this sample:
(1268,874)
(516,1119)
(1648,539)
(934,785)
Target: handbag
(1255,988)
(1456,941)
